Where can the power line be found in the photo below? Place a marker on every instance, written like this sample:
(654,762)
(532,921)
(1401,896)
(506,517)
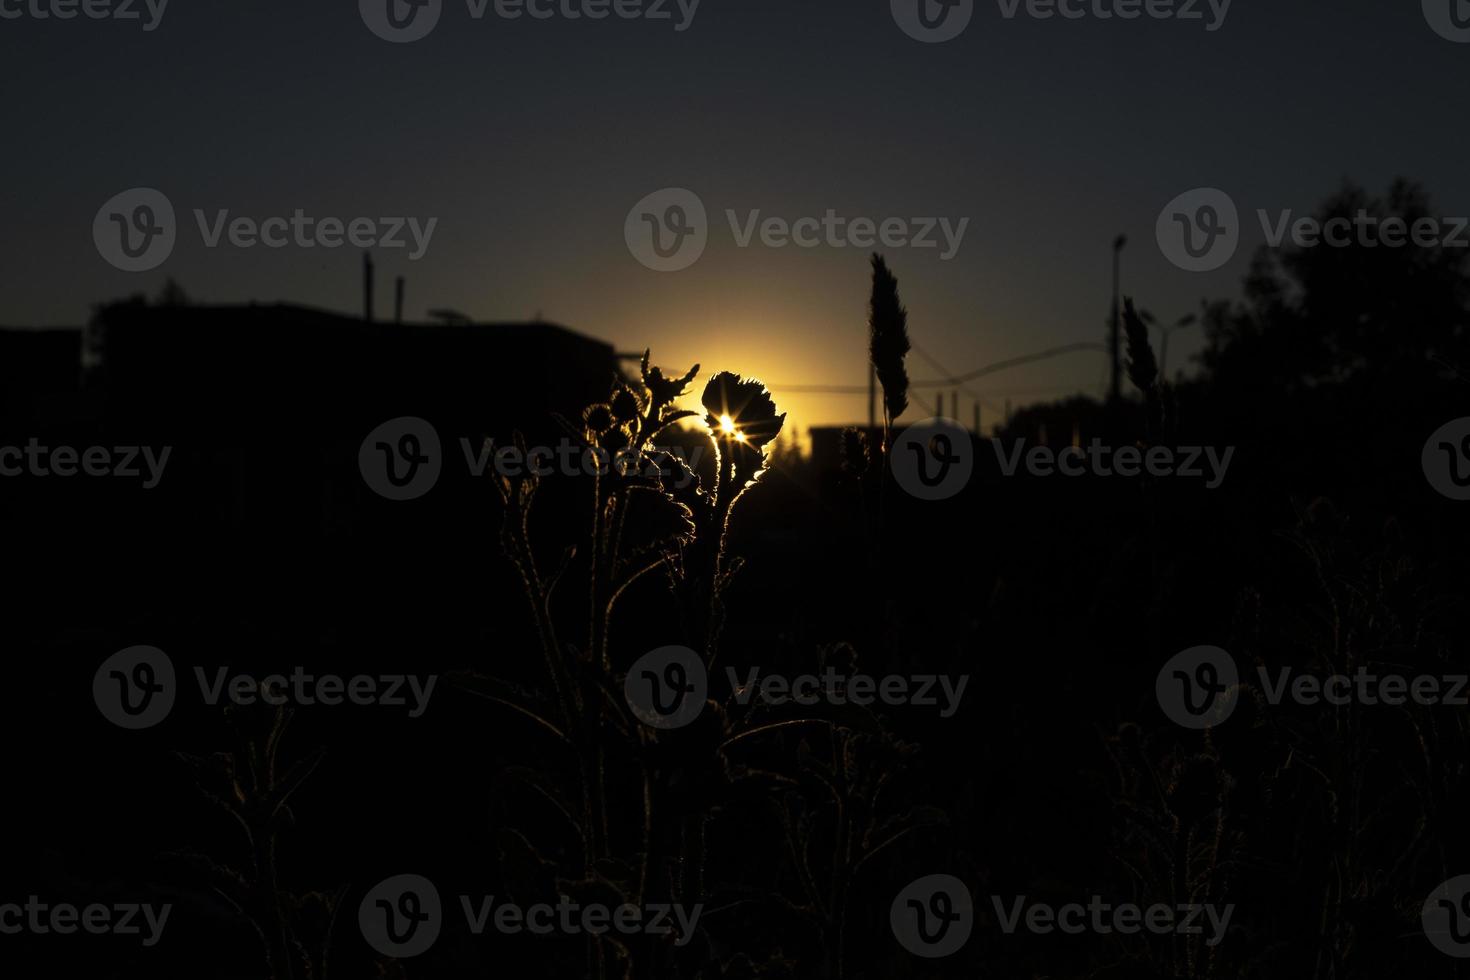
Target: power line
(934,363)
(951,382)
(1012,362)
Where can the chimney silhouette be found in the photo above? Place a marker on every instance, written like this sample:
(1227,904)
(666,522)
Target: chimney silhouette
(367,286)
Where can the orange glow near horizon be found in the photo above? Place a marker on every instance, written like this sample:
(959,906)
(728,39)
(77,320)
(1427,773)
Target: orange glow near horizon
(772,348)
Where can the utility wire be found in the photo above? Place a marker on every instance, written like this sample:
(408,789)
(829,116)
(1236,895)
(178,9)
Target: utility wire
(969,393)
(956,381)
(1012,362)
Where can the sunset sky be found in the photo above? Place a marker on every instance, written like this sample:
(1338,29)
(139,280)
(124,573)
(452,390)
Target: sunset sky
(530,140)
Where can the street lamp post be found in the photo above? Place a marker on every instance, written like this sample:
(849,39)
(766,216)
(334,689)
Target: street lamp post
(1115,390)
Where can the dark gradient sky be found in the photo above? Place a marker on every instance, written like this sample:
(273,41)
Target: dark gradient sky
(530,141)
